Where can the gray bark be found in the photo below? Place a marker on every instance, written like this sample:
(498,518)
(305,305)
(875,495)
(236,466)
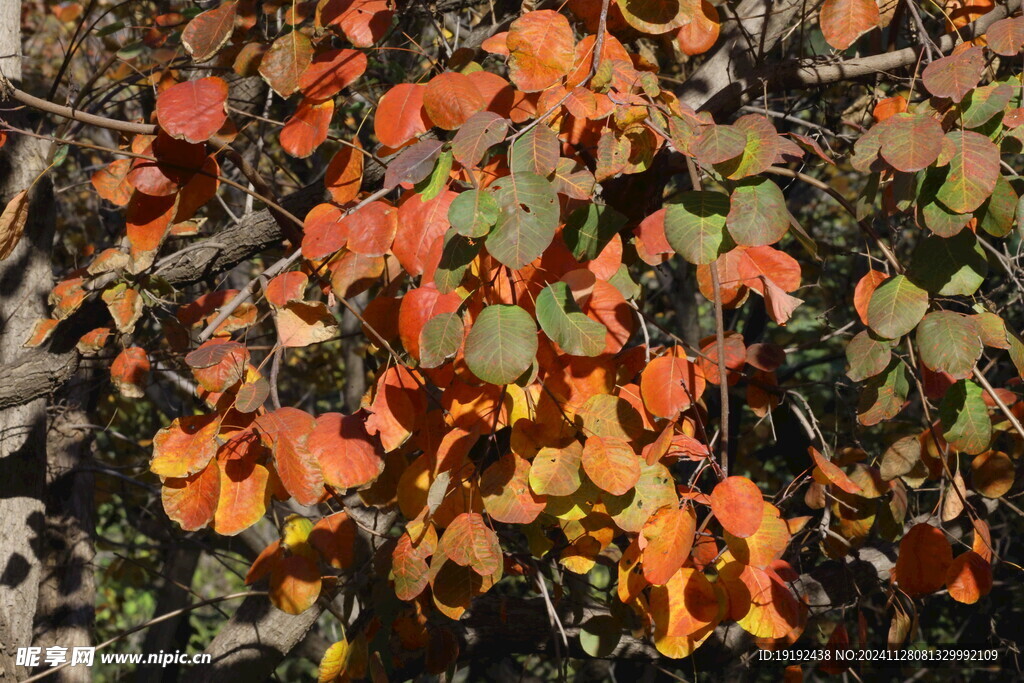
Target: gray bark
(25,282)
(67,591)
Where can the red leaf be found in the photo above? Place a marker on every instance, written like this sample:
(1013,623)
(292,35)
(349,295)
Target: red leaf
(371,229)
(956,75)
(193,110)
(148,219)
(294,583)
(129,372)
(924,557)
(324,231)
(307,128)
(363,22)
(334,537)
(420,224)
(286,432)
(344,174)
(418,306)
(400,115)
(348,455)
(451,99)
(330,72)
(208,32)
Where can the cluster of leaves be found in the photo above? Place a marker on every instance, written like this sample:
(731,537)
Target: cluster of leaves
(512,399)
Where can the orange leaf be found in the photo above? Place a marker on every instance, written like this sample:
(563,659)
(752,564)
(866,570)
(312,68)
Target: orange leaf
(348,456)
(244,485)
(766,544)
(843,21)
(286,432)
(331,71)
(540,46)
(193,110)
(294,584)
(505,488)
(191,501)
(129,372)
(334,537)
(969,578)
(738,504)
(760,602)
(185,446)
(666,540)
(451,99)
(670,384)
(469,542)
(611,463)
(344,174)
(699,36)
(924,557)
(831,474)
(306,129)
(111,182)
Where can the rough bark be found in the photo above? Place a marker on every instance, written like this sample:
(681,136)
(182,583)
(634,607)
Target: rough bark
(25,281)
(67,592)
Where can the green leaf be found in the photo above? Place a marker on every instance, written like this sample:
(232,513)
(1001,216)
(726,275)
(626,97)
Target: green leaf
(973,172)
(599,636)
(695,227)
(910,142)
(473,213)
(966,425)
(867,356)
(996,215)
(456,255)
(432,186)
(981,104)
(896,307)
(949,266)
(949,342)
(482,131)
(440,339)
(573,179)
(935,215)
(562,321)
(502,344)
(757,213)
(590,228)
(527,220)
(883,396)
(535,152)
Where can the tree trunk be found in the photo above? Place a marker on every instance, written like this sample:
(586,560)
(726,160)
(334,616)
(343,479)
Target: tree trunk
(67,593)
(25,282)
